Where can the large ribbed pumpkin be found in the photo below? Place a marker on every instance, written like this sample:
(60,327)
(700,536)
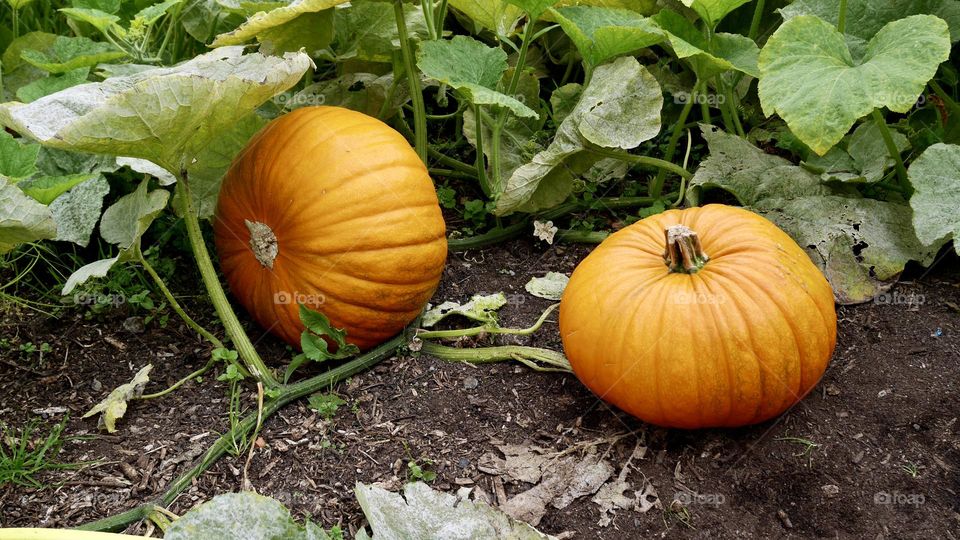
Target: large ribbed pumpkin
(704,317)
(333,209)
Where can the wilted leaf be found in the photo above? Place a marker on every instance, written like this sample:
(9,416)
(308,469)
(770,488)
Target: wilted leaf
(127,219)
(22,219)
(76,212)
(861,245)
(619,109)
(480,308)
(550,286)
(241,516)
(368,30)
(115,405)
(495,15)
(822,95)
(264,21)
(165,115)
(935,176)
(422,513)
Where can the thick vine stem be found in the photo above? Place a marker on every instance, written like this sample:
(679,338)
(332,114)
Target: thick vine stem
(287,394)
(892,150)
(529,356)
(416,94)
(683,253)
(231,324)
(59,534)
(642,160)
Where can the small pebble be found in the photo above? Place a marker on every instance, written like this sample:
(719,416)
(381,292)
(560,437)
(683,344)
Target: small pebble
(830,490)
(470,383)
(832,390)
(134,325)
(96,385)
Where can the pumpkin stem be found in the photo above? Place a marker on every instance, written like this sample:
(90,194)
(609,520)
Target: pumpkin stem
(263,242)
(683,253)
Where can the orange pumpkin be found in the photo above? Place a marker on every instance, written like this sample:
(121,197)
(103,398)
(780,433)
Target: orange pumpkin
(333,209)
(704,317)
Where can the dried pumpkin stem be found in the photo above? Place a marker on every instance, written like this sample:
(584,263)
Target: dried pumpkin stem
(683,253)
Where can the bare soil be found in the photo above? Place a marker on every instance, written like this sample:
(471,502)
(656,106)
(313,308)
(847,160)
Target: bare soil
(873,452)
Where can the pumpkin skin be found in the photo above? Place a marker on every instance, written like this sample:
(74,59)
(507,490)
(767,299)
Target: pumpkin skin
(356,227)
(737,342)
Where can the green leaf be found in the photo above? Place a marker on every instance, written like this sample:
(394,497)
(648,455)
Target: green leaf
(19,4)
(472,68)
(237,516)
(480,308)
(603,33)
(364,92)
(71,53)
(725,52)
(51,85)
(115,405)
(76,212)
(867,17)
(100,20)
(45,189)
(422,512)
(127,219)
(533,8)
(810,79)
(861,245)
(713,11)
(935,176)
(108,6)
(869,151)
(165,115)
(368,30)
(22,219)
(619,109)
(213,161)
(17,160)
(265,20)
(310,31)
(314,341)
(495,15)
(151,14)
(33,41)
(205,19)
(325,405)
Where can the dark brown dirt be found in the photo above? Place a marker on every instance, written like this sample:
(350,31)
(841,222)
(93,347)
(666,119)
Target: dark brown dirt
(883,460)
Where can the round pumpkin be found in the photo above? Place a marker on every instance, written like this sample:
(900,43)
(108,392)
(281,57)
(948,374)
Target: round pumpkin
(330,208)
(704,317)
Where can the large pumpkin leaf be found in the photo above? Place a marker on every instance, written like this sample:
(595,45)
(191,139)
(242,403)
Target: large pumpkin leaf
(422,513)
(100,20)
(712,11)
(368,30)
(264,21)
(50,85)
(495,15)
(861,245)
(70,53)
(935,176)
(17,73)
(867,17)
(619,109)
(205,19)
(22,219)
(472,68)
(241,516)
(810,78)
(165,115)
(533,8)
(603,33)
(723,53)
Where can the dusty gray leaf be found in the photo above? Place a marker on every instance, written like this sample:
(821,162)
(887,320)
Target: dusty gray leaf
(76,212)
(550,286)
(22,219)
(480,308)
(115,405)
